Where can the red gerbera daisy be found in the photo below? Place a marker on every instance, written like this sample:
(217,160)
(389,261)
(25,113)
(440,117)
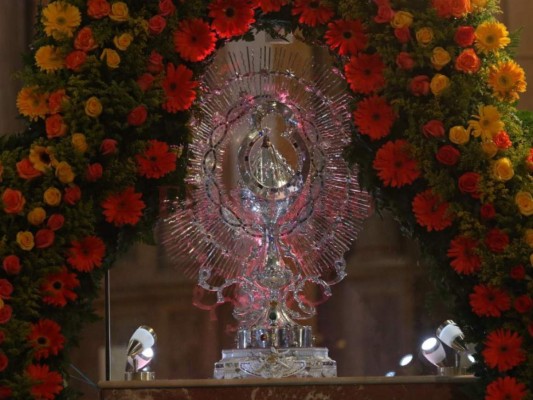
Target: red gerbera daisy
(431,212)
(46,339)
(45,384)
(57,288)
(506,388)
(231,17)
(364,73)
(123,208)
(463,253)
(156,161)
(271,5)
(374,117)
(503,350)
(194,40)
(488,301)
(86,254)
(346,36)
(312,12)
(179,88)
(394,165)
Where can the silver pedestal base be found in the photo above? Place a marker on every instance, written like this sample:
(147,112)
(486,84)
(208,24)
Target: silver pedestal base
(308,362)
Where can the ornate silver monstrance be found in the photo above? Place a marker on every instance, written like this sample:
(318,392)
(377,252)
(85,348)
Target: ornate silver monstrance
(272,206)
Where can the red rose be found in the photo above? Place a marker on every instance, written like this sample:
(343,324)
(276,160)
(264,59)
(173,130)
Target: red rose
(137,116)
(145,81)
(419,85)
(6,289)
(405,61)
(469,184)
(72,195)
(155,62)
(5,393)
(166,7)
(55,126)
(55,101)
(487,211)
(5,313)
(448,155)
(44,238)
(529,161)
(94,172)
(98,8)
(26,170)
(3,361)
(523,304)
(13,201)
(75,60)
(108,146)
(518,273)
(464,36)
(55,222)
(402,34)
(497,240)
(433,128)
(468,61)
(501,140)
(156,24)
(11,265)
(84,40)
(385,14)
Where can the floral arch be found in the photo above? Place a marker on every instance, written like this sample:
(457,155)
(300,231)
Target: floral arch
(108,91)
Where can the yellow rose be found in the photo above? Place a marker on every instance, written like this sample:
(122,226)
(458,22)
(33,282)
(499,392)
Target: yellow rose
(25,240)
(119,12)
(123,41)
(93,107)
(424,36)
(502,169)
(439,83)
(402,19)
(524,201)
(79,142)
(111,57)
(528,237)
(52,196)
(489,148)
(64,172)
(440,58)
(459,134)
(36,216)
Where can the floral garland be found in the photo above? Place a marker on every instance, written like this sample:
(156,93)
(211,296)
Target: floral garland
(108,91)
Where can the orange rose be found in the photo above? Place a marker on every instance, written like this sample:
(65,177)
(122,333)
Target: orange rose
(55,101)
(98,8)
(85,40)
(55,127)
(468,61)
(13,201)
(26,170)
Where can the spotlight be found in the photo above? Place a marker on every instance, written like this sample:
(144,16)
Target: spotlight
(406,360)
(390,374)
(433,351)
(140,353)
(451,335)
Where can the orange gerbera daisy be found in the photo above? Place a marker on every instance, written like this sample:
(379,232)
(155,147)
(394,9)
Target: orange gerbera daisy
(431,212)
(123,207)
(507,79)
(86,254)
(46,339)
(156,161)
(394,164)
(462,251)
(489,301)
(364,73)
(194,40)
(271,5)
(179,88)
(31,103)
(312,12)
(347,37)
(231,17)
(503,350)
(374,117)
(45,384)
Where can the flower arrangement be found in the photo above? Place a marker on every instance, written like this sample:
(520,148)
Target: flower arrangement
(108,91)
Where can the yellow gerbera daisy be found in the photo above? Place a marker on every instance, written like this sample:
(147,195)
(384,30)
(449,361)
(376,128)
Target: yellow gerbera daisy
(42,157)
(31,103)
(491,36)
(49,59)
(507,79)
(487,123)
(60,19)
